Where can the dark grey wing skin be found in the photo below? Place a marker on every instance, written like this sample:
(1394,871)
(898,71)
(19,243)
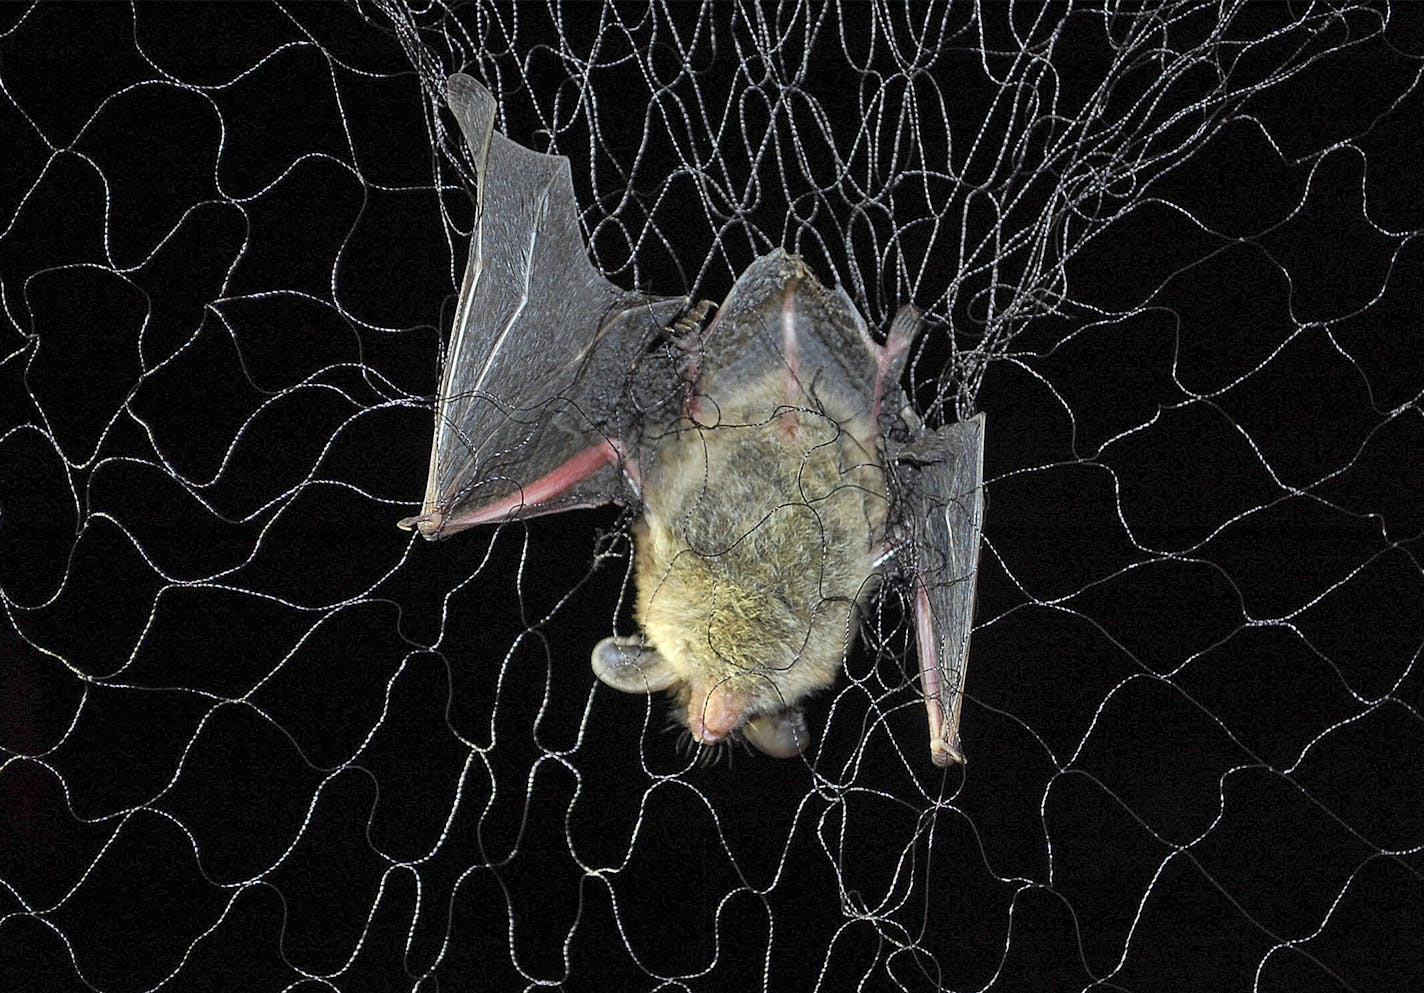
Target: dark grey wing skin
(536,411)
(778,316)
(942,513)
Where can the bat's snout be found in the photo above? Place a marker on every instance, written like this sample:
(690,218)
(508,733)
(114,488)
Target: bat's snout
(714,712)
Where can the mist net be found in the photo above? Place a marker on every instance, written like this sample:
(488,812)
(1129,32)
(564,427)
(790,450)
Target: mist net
(253,736)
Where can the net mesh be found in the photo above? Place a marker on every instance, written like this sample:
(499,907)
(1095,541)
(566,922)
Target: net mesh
(252,734)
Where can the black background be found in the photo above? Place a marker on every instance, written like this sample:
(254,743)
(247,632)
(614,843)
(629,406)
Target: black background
(257,738)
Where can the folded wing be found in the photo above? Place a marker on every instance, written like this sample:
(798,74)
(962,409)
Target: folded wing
(943,514)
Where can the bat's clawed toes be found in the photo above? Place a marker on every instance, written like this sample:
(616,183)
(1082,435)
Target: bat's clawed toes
(903,328)
(692,320)
(631,665)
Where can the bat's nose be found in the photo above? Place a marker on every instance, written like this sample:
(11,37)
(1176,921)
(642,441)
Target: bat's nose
(713,714)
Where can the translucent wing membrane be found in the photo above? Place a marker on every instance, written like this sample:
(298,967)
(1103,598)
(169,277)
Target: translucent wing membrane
(534,404)
(944,513)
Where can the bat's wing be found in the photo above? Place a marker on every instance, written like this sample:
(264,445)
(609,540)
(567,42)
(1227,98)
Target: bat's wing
(548,363)
(943,514)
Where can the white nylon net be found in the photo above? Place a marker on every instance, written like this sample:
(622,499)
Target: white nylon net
(253,736)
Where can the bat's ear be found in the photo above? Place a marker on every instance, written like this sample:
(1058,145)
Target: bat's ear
(631,666)
(782,736)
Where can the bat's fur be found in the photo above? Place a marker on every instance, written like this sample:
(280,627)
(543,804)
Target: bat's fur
(755,548)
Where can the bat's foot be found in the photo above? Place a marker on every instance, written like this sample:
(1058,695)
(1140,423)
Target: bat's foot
(890,358)
(692,320)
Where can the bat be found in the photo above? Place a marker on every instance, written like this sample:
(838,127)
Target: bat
(764,451)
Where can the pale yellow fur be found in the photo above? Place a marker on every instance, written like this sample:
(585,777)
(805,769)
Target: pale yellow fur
(757,543)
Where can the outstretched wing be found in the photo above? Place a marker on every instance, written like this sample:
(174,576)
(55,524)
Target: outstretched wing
(539,401)
(943,512)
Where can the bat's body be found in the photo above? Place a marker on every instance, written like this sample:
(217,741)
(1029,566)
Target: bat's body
(764,510)
(754,447)
(748,594)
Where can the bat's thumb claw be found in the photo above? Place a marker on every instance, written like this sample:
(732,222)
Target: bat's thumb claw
(944,753)
(428,524)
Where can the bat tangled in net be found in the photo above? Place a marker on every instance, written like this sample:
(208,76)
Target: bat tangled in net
(780,476)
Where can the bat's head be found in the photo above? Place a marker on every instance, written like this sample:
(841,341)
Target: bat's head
(712,713)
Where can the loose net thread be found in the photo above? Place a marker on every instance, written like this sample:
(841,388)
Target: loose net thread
(252,730)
